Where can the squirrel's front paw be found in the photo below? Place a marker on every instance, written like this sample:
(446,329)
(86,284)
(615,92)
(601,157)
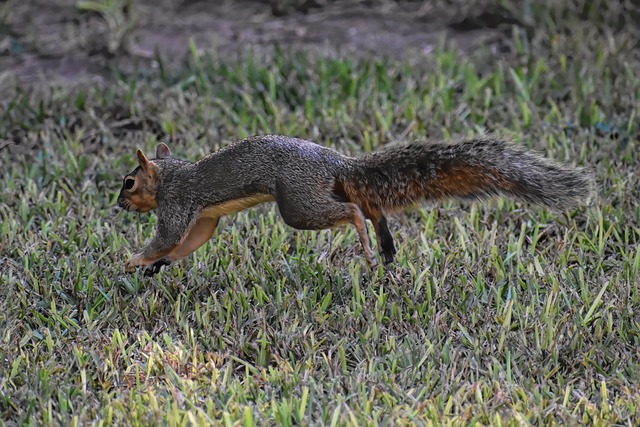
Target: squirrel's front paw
(130,266)
(156,266)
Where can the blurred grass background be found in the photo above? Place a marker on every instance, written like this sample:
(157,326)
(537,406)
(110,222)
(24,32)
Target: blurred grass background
(497,313)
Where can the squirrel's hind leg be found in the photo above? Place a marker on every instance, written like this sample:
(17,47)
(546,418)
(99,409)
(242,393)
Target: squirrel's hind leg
(315,212)
(343,213)
(361,226)
(386,246)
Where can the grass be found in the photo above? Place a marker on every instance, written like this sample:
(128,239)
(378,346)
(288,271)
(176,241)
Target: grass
(495,313)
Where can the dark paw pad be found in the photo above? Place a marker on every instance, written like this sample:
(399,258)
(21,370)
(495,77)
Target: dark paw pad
(155,267)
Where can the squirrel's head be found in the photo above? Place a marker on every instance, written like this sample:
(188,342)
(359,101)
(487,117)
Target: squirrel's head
(138,193)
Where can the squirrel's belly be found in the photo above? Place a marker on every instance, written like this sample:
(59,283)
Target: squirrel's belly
(235,205)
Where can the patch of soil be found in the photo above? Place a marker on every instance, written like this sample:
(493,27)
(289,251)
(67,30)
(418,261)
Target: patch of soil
(56,41)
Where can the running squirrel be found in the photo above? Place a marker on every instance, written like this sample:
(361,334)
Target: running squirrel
(316,187)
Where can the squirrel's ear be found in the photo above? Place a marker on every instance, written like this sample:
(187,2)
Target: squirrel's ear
(162,151)
(142,159)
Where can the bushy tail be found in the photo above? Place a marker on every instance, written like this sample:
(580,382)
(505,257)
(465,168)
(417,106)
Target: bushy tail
(399,176)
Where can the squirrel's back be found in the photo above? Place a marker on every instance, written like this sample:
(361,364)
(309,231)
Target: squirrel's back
(277,153)
(252,165)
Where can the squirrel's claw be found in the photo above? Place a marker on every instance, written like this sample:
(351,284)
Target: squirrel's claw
(129,267)
(373,262)
(156,267)
(151,269)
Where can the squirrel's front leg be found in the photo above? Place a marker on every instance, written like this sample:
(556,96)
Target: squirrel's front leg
(151,253)
(198,235)
(170,233)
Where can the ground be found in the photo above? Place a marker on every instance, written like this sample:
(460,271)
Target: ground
(493,313)
(67,40)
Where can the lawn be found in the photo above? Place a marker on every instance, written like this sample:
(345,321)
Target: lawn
(495,313)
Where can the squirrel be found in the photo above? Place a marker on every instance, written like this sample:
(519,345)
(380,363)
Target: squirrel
(316,187)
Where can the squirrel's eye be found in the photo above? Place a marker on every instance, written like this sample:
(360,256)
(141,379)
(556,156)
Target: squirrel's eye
(128,183)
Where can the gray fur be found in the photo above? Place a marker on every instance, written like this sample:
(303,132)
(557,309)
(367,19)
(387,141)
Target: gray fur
(316,187)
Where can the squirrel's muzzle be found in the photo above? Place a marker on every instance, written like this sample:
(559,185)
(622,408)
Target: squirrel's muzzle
(123,203)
